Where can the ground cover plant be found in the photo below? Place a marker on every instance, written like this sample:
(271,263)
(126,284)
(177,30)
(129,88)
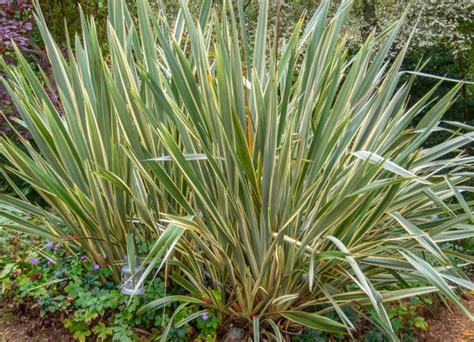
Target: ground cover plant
(68,290)
(285,175)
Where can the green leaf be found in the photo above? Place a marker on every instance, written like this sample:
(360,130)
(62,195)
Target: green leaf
(102,331)
(315,321)
(388,165)
(7,269)
(156,304)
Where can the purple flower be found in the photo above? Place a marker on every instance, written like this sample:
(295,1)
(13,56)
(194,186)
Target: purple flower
(205,316)
(50,245)
(82,257)
(28,26)
(50,262)
(35,261)
(96,267)
(56,248)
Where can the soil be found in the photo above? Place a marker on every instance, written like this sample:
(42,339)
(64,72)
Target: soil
(21,323)
(451,324)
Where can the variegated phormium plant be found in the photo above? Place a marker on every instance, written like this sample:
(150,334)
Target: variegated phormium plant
(78,164)
(293,168)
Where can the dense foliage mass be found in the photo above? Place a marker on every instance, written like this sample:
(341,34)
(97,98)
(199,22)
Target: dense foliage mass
(278,181)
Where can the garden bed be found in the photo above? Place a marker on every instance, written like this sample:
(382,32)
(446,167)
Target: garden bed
(21,322)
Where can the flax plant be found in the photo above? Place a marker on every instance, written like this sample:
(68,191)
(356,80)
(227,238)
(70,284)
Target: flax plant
(294,169)
(315,192)
(76,160)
